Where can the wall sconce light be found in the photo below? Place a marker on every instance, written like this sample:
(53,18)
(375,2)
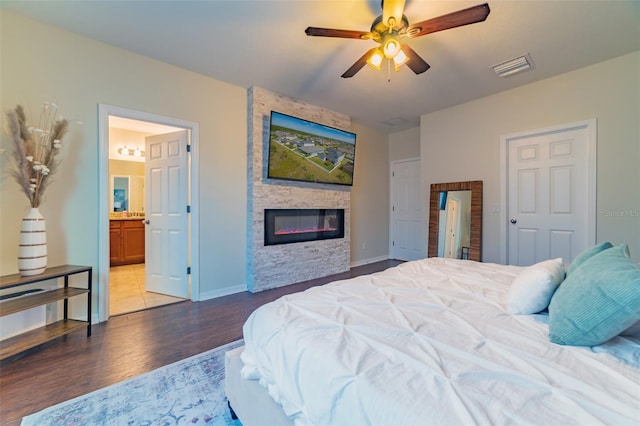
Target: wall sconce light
(137,152)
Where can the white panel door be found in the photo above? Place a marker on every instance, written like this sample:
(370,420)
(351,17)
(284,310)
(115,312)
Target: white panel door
(166,236)
(452,230)
(548,196)
(407,239)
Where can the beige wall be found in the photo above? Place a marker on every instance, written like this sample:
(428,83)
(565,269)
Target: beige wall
(370,197)
(404,144)
(470,133)
(125,168)
(40,62)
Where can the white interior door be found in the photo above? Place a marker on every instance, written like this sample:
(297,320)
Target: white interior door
(452,234)
(166,218)
(408,235)
(550,195)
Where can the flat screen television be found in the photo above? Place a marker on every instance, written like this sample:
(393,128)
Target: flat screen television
(301,150)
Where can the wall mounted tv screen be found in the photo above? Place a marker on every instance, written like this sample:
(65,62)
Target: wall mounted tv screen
(301,150)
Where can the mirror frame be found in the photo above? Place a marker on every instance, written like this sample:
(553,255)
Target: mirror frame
(475,243)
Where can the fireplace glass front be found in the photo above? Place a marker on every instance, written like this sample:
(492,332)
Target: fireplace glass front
(285,226)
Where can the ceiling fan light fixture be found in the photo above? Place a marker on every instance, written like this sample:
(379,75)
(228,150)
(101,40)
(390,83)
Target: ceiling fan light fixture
(400,59)
(375,60)
(391,27)
(391,47)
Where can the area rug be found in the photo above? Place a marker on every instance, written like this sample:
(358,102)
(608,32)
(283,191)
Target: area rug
(187,392)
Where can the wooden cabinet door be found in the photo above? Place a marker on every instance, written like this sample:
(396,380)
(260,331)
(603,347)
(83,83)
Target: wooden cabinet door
(133,241)
(115,242)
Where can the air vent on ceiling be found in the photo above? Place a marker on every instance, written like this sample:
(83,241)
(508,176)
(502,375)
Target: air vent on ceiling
(514,66)
(395,121)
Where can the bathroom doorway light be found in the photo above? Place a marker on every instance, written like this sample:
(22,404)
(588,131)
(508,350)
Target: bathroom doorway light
(136,152)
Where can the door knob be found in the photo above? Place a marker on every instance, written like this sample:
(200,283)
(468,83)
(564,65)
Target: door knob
(146,221)
(514,221)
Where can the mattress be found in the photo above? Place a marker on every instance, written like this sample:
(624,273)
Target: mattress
(431,342)
(248,400)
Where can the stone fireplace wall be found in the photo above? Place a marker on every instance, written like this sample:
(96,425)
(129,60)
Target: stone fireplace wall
(284,264)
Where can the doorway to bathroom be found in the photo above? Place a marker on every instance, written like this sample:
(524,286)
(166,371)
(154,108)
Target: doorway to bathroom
(128,252)
(133,261)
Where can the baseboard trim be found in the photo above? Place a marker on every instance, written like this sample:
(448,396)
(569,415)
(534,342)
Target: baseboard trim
(242,288)
(222,292)
(370,260)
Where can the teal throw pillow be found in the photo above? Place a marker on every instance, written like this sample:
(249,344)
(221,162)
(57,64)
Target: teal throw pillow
(598,301)
(586,254)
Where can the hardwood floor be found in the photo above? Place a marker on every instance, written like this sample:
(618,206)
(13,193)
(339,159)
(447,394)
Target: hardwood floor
(132,344)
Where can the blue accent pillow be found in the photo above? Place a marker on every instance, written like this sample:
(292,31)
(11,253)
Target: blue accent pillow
(598,301)
(586,254)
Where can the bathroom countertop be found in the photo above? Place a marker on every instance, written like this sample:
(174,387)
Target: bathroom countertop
(127,218)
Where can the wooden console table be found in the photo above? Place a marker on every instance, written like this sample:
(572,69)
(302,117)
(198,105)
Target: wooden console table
(30,339)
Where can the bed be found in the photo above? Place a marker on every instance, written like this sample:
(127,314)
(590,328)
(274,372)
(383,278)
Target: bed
(433,341)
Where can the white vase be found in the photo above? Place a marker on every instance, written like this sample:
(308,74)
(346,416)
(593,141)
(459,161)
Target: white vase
(32,256)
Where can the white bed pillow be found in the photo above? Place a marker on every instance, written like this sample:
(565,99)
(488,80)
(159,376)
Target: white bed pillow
(533,288)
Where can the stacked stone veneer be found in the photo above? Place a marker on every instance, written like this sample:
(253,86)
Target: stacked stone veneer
(284,264)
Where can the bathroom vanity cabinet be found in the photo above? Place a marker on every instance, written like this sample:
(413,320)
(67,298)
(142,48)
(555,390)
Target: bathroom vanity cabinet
(126,241)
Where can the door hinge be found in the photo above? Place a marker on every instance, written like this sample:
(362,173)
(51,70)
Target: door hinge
(393,243)
(188,148)
(188,270)
(188,209)
(393,208)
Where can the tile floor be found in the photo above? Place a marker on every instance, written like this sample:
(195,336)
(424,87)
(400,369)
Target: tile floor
(127,293)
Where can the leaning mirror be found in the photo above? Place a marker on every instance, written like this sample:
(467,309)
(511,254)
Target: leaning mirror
(455,220)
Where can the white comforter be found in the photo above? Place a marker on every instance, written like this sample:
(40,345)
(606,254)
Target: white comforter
(430,343)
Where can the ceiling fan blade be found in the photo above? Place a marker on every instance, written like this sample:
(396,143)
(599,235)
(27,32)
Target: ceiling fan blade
(392,9)
(452,20)
(332,32)
(357,66)
(415,62)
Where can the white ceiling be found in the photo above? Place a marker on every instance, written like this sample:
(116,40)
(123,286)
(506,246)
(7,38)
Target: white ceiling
(263,43)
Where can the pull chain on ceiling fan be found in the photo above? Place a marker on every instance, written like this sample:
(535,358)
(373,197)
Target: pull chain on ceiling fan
(391,27)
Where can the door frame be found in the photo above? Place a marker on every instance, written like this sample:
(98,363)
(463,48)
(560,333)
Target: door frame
(592,135)
(104,111)
(392,234)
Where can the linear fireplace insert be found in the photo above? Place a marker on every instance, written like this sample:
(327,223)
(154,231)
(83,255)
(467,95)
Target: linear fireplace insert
(285,226)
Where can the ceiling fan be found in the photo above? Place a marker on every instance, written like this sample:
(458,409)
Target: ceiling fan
(391,27)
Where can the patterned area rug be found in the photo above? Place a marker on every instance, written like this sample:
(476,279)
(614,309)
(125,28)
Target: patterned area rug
(190,391)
